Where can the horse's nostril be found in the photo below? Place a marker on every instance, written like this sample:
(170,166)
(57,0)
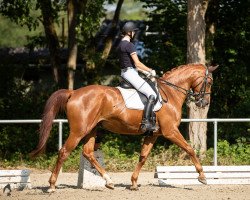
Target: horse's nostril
(205,103)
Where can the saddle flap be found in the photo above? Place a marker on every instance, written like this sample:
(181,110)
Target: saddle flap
(134,101)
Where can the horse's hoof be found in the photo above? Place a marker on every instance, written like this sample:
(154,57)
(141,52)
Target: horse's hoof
(134,188)
(51,190)
(202,180)
(110,186)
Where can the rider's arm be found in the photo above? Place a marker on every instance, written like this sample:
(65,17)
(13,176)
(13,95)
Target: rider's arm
(138,63)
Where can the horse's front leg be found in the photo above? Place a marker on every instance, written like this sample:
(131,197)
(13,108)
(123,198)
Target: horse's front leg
(146,148)
(176,137)
(88,153)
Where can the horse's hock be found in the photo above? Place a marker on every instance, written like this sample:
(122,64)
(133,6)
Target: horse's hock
(14,179)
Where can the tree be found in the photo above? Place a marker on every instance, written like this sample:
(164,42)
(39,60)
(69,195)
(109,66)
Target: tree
(21,13)
(49,16)
(165,39)
(83,20)
(74,10)
(196,29)
(110,37)
(231,93)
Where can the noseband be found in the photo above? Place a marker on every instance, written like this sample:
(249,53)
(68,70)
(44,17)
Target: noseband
(197,97)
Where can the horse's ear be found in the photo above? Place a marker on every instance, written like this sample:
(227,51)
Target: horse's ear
(212,68)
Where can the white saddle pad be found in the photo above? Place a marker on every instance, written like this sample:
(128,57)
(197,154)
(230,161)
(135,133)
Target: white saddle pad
(133,101)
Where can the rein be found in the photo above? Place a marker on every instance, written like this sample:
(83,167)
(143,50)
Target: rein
(184,91)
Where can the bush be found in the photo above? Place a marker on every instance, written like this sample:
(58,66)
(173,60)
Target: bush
(118,160)
(235,154)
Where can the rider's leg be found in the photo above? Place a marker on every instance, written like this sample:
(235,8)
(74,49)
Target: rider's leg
(147,124)
(141,85)
(132,76)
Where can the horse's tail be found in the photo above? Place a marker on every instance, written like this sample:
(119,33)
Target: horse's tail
(56,102)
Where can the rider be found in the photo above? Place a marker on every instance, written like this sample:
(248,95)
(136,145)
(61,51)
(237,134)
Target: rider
(130,63)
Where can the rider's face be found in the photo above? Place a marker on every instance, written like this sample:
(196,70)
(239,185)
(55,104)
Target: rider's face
(133,34)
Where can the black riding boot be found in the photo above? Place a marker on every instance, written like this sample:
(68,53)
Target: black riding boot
(147,124)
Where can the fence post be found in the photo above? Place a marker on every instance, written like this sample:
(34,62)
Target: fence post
(215,142)
(60,139)
(60,135)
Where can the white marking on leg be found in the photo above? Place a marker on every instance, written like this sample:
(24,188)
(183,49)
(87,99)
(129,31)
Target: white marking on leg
(107,179)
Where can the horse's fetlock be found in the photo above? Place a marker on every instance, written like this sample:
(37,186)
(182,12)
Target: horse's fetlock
(107,178)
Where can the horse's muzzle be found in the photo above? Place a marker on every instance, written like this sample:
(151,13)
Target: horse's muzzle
(201,103)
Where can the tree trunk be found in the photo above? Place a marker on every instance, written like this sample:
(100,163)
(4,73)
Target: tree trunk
(74,9)
(51,35)
(109,39)
(196,54)
(211,18)
(198,130)
(72,44)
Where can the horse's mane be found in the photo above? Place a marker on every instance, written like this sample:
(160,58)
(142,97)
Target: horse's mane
(179,67)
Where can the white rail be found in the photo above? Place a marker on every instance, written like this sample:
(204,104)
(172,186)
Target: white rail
(61,121)
(35,121)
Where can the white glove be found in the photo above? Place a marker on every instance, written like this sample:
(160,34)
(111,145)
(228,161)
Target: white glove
(153,73)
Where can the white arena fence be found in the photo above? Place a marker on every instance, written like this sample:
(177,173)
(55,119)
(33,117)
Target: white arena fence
(62,121)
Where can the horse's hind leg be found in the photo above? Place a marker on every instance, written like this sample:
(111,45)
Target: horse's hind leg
(146,148)
(176,137)
(88,153)
(64,152)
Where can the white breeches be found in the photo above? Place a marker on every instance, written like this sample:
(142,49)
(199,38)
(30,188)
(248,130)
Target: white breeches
(132,76)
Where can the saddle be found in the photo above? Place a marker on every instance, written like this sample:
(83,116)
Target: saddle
(133,98)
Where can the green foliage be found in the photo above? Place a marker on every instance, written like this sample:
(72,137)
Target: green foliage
(116,157)
(114,145)
(235,154)
(89,20)
(166,37)
(12,34)
(20,99)
(231,95)
(20,12)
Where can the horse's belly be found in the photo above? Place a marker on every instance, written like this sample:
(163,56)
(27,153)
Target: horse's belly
(120,127)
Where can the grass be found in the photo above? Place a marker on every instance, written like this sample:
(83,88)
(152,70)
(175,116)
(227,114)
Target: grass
(235,154)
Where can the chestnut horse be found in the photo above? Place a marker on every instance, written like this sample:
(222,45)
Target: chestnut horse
(96,104)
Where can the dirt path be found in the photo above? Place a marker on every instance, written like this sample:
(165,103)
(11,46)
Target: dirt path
(149,190)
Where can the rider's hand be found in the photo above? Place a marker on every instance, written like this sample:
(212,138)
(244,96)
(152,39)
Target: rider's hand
(153,73)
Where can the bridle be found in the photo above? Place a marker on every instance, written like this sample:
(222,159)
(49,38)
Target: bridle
(201,94)
(197,97)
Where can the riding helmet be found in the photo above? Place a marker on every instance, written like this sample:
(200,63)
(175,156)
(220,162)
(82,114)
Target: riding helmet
(129,26)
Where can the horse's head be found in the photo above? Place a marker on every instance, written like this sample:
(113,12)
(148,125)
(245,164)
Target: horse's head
(201,88)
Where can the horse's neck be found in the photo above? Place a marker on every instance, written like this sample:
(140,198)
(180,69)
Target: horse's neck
(183,78)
